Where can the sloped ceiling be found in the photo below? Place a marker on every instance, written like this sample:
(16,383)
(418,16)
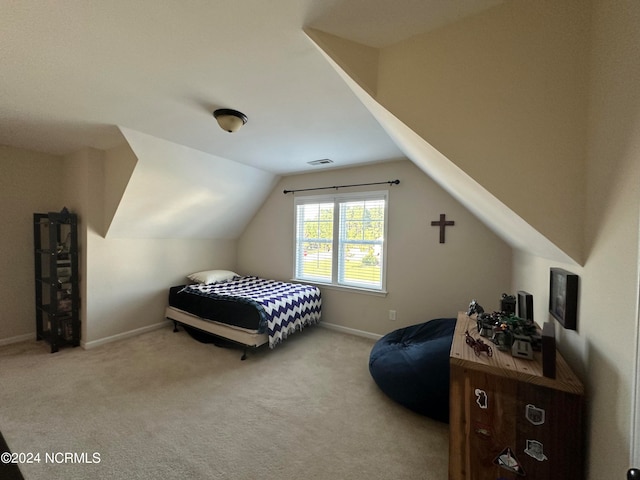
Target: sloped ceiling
(493,107)
(380,23)
(83,74)
(72,72)
(179,192)
(489,209)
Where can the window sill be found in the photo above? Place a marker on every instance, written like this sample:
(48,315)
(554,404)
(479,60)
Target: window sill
(343,288)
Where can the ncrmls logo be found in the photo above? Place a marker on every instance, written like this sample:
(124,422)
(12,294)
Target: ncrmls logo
(71,457)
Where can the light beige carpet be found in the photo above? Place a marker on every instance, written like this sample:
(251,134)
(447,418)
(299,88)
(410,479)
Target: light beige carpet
(163,406)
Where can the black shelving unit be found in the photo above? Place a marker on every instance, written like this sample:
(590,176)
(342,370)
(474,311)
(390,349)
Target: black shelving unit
(55,238)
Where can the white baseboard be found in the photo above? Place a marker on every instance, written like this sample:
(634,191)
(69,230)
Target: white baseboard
(155,326)
(350,331)
(122,336)
(19,338)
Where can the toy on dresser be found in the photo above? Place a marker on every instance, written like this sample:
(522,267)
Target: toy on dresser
(506,330)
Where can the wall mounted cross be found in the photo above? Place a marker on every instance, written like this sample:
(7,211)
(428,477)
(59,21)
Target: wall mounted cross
(442,223)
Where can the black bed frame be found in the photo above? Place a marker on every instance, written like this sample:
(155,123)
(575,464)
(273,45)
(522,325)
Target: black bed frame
(223,341)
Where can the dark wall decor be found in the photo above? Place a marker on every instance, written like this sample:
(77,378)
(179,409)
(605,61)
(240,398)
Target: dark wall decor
(563,297)
(442,223)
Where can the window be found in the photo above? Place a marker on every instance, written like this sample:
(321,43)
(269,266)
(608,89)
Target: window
(340,239)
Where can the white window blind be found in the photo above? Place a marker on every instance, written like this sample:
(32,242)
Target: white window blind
(340,239)
(314,241)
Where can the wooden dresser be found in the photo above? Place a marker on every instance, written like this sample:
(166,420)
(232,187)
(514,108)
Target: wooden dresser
(507,421)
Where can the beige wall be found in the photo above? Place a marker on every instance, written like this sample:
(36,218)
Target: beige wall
(29,182)
(425,279)
(124,282)
(503,96)
(537,101)
(604,346)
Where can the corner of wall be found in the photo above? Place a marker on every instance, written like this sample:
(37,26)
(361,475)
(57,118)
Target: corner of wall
(120,162)
(359,61)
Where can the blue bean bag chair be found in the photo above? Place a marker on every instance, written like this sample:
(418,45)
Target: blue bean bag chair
(411,366)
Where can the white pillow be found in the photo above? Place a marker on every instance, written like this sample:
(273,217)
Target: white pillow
(212,276)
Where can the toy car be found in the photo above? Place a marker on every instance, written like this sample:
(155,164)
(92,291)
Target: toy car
(478,345)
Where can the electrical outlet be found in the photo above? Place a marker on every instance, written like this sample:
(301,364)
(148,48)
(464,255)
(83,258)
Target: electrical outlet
(392,315)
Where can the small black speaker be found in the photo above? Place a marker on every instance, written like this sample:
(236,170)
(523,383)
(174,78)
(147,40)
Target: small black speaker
(525,305)
(549,350)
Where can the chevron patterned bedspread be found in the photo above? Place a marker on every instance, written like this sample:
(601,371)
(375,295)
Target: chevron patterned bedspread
(283,307)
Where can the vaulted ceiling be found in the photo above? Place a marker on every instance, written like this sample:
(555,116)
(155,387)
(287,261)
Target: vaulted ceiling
(73,71)
(149,74)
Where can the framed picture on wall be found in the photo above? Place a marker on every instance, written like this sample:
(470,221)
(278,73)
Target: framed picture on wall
(563,297)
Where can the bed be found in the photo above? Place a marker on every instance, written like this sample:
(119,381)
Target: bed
(246,310)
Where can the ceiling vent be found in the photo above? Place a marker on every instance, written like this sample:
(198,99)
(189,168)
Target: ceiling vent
(322,161)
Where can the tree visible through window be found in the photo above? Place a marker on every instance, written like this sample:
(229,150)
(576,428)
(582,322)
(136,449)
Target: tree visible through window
(340,239)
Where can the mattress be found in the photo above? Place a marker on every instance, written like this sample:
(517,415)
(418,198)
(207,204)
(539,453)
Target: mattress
(252,303)
(222,311)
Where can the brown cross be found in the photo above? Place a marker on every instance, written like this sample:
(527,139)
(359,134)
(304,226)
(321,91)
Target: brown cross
(442,223)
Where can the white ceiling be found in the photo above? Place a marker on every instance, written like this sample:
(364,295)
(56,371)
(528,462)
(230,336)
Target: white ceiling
(73,70)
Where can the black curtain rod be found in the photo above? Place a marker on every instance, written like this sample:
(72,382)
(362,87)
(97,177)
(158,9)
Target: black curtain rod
(390,182)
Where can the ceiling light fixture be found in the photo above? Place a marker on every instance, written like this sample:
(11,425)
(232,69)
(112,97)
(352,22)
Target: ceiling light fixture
(230,120)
